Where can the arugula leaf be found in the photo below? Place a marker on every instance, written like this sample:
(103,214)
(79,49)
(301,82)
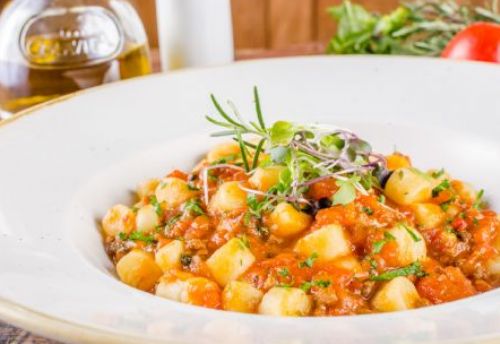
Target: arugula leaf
(309,262)
(412,269)
(281,133)
(444,185)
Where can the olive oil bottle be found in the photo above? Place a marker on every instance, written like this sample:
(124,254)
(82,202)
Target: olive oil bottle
(50,48)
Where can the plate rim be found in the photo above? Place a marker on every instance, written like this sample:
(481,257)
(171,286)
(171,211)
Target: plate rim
(57,328)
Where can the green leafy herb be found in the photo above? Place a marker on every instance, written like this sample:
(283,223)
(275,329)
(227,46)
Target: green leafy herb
(478,202)
(421,27)
(444,185)
(193,206)
(381,199)
(306,286)
(379,245)
(284,272)
(158,209)
(412,269)
(309,262)
(346,192)
(368,211)
(281,133)
(123,236)
(438,174)
(411,233)
(172,221)
(243,241)
(138,236)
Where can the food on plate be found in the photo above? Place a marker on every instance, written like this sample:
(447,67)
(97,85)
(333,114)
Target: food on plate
(304,220)
(422,27)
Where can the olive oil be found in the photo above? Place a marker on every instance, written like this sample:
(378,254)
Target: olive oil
(23,85)
(54,47)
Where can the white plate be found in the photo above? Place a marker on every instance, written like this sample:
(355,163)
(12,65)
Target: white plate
(64,165)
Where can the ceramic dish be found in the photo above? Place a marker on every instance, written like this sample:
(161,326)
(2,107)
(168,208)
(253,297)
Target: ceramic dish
(63,165)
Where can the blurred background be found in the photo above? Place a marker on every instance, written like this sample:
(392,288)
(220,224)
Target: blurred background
(273,27)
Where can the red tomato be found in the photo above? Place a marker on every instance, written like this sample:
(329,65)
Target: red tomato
(478,42)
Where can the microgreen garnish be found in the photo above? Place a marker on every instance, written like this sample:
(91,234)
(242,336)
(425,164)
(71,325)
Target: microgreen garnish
(412,269)
(379,245)
(309,262)
(444,185)
(193,206)
(309,153)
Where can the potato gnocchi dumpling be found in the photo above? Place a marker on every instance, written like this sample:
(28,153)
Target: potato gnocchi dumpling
(276,235)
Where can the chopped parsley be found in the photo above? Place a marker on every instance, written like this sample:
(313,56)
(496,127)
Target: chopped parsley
(154,202)
(381,199)
(306,286)
(444,185)
(438,174)
(137,236)
(412,233)
(379,245)
(368,211)
(412,269)
(171,222)
(478,203)
(243,241)
(193,206)
(284,272)
(309,262)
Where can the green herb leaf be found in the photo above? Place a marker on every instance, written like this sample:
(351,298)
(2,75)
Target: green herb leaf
(412,269)
(379,245)
(438,174)
(368,211)
(284,272)
(346,192)
(478,203)
(140,236)
(193,206)
(444,185)
(309,262)
(156,205)
(414,236)
(306,286)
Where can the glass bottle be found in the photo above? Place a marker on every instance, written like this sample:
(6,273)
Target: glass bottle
(49,48)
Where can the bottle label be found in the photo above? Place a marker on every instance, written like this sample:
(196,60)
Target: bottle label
(69,37)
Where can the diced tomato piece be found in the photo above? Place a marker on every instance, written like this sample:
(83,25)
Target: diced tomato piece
(448,285)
